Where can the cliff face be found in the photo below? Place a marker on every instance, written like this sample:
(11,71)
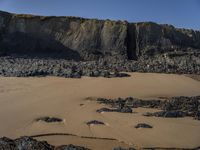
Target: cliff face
(88,39)
(24,33)
(151,38)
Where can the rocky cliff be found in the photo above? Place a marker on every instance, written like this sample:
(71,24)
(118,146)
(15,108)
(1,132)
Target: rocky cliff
(84,38)
(66,35)
(151,45)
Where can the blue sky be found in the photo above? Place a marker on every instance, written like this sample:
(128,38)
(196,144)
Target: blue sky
(180,13)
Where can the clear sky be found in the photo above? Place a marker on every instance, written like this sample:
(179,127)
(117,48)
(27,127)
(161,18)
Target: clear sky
(180,13)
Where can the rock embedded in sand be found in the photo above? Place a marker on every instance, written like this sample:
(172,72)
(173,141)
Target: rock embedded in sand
(117,74)
(172,107)
(197,115)
(101,110)
(28,143)
(70,147)
(122,110)
(7,144)
(49,119)
(120,148)
(166,114)
(95,122)
(119,105)
(125,109)
(143,125)
(24,143)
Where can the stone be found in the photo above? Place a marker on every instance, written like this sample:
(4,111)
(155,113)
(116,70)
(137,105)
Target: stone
(70,147)
(143,125)
(148,114)
(122,110)
(7,144)
(167,114)
(28,143)
(197,115)
(95,122)
(49,119)
(24,143)
(104,110)
(120,148)
(171,107)
(125,109)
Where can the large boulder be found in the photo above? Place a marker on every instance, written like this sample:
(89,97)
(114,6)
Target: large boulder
(24,143)
(28,143)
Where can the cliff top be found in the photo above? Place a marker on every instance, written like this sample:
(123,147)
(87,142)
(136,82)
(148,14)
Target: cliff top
(31,16)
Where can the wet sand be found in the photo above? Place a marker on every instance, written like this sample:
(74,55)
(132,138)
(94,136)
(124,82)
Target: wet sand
(22,100)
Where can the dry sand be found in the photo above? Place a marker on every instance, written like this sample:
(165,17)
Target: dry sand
(24,99)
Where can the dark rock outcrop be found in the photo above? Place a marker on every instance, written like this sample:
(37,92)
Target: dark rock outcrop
(60,46)
(49,119)
(143,125)
(172,107)
(29,33)
(120,148)
(121,110)
(24,143)
(28,143)
(167,114)
(101,110)
(75,37)
(197,115)
(118,105)
(95,122)
(71,147)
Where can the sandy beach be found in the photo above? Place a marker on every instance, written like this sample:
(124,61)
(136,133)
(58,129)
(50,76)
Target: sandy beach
(22,100)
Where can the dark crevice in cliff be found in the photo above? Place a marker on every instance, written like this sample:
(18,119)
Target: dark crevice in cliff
(4,21)
(131,42)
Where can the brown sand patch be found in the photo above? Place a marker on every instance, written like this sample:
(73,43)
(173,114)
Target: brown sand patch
(60,97)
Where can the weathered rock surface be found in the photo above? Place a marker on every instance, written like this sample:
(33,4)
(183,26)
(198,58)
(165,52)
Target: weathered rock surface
(68,37)
(83,37)
(167,114)
(121,110)
(120,148)
(95,122)
(172,107)
(28,143)
(71,147)
(119,106)
(24,143)
(143,125)
(72,47)
(49,119)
